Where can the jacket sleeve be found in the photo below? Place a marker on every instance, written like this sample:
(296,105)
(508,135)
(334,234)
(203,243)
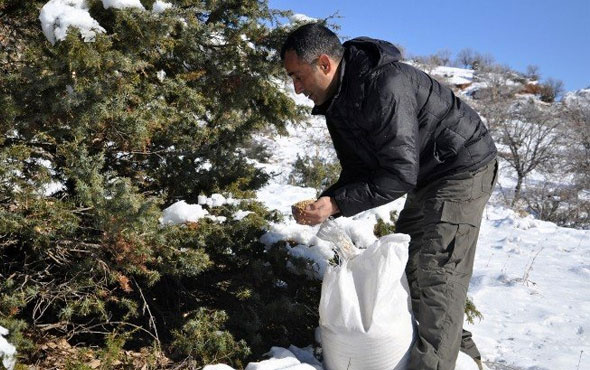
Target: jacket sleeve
(329,192)
(390,134)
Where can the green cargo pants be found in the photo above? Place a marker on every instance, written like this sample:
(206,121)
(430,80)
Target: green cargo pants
(443,219)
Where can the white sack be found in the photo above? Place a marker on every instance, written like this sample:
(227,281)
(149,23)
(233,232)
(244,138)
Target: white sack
(365,314)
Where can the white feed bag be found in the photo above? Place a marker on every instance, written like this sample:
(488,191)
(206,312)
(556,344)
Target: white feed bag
(365,315)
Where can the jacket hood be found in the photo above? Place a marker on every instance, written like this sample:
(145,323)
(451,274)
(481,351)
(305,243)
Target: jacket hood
(378,52)
(362,55)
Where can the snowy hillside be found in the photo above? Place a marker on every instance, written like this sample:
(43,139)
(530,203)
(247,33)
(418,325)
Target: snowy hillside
(581,97)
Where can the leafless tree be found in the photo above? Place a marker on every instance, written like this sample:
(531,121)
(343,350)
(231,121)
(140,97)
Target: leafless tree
(442,57)
(566,203)
(532,140)
(526,132)
(472,59)
(532,72)
(466,57)
(483,61)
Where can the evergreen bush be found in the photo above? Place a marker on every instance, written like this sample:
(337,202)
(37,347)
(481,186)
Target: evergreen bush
(97,138)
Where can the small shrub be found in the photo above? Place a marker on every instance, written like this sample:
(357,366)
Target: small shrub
(314,172)
(113,350)
(203,339)
(471,312)
(383,228)
(562,205)
(551,90)
(257,151)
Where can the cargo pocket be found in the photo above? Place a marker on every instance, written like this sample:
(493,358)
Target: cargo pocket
(466,215)
(464,212)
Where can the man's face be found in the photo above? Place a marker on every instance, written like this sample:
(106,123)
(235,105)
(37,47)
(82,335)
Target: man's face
(313,80)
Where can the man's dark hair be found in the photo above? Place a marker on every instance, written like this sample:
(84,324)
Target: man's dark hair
(312,40)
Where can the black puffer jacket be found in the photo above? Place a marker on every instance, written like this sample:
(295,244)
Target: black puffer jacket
(396,128)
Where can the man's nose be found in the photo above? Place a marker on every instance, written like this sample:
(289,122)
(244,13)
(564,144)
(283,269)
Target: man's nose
(298,88)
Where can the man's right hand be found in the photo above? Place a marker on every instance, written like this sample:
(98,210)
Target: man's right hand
(316,212)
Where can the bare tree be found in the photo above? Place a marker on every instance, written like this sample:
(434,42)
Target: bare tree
(466,57)
(565,202)
(442,57)
(402,50)
(532,72)
(527,134)
(472,59)
(483,61)
(531,137)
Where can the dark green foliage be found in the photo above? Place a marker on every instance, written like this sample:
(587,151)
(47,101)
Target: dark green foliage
(89,260)
(202,338)
(383,228)
(314,172)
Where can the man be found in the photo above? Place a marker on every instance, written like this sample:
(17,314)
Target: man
(396,130)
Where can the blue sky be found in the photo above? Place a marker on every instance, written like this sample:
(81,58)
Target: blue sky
(554,35)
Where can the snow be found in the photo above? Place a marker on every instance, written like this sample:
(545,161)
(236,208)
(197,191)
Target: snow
(122,4)
(281,197)
(241,214)
(454,76)
(57,16)
(7,350)
(530,282)
(293,358)
(182,212)
(53,187)
(160,6)
(301,18)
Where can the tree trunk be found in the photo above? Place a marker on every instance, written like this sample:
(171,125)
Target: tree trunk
(517,189)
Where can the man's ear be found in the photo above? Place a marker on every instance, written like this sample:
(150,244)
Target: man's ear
(325,63)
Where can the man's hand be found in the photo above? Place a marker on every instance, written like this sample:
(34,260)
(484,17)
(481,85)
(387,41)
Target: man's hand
(316,212)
